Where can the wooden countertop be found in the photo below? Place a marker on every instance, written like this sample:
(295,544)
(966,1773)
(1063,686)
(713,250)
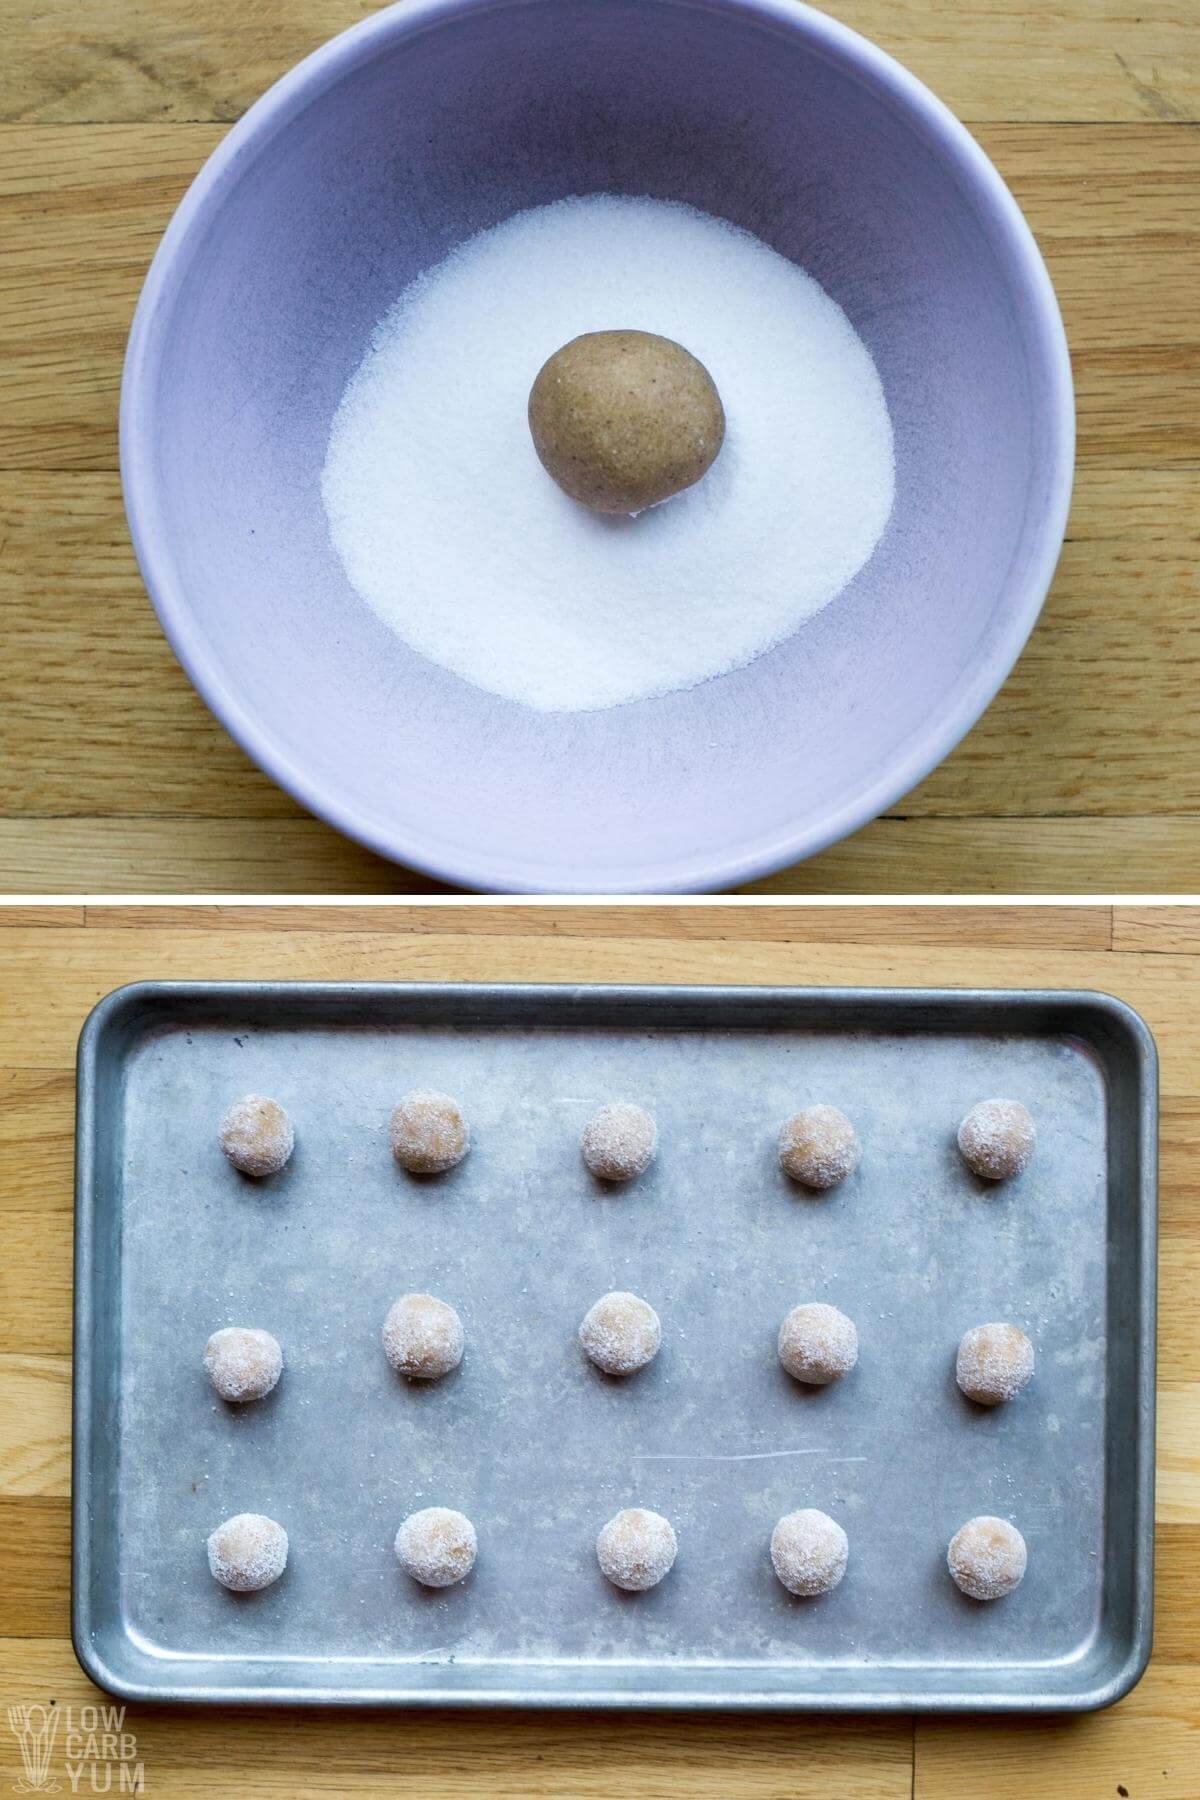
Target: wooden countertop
(55,964)
(1084,776)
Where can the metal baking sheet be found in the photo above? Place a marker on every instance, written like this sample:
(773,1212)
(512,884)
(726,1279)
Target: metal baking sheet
(530,1441)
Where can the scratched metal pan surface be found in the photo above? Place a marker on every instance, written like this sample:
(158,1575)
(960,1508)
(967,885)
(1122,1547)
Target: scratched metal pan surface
(527,1438)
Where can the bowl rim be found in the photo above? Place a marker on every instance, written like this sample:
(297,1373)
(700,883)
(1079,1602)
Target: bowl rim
(508,872)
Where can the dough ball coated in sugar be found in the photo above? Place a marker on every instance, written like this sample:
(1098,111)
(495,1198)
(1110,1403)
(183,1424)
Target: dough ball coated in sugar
(256,1135)
(242,1362)
(996,1139)
(423,1337)
(436,1546)
(994,1363)
(428,1133)
(817,1344)
(819,1147)
(636,1549)
(619,1142)
(620,1333)
(987,1557)
(248,1552)
(809,1552)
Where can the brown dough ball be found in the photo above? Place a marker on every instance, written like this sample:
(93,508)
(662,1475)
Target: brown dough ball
(624,419)
(996,1139)
(423,1337)
(619,1142)
(636,1549)
(994,1363)
(428,1133)
(987,1557)
(256,1135)
(243,1363)
(437,1546)
(620,1333)
(248,1552)
(809,1551)
(818,1344)
(818,1147)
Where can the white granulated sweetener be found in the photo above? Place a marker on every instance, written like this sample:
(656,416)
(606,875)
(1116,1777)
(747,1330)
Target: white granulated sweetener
(449,528)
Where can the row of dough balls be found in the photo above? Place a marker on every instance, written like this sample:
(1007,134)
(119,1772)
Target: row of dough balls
(818,1147)
(636,1550)
(423,1339)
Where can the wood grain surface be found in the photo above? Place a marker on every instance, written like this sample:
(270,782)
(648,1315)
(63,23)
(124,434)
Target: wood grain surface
(1084,776)
(53,969)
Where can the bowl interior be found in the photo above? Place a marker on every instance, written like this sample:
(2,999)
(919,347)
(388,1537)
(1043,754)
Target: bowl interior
(436,121)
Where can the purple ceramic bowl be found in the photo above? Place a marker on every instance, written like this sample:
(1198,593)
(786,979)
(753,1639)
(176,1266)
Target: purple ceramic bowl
(432,120)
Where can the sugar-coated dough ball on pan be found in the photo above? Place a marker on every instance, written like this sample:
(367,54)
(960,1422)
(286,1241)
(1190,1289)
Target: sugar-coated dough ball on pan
(428,1133)
(436,1546)
(986,1557)
(242,1362)
(256,1135)
(423,1337)
(994,1363)
(636,1549)
(620,1333)
(996,1139)
(809,1551)
(817,1344)
(818,1147)
(247,1552)
(619,1142)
